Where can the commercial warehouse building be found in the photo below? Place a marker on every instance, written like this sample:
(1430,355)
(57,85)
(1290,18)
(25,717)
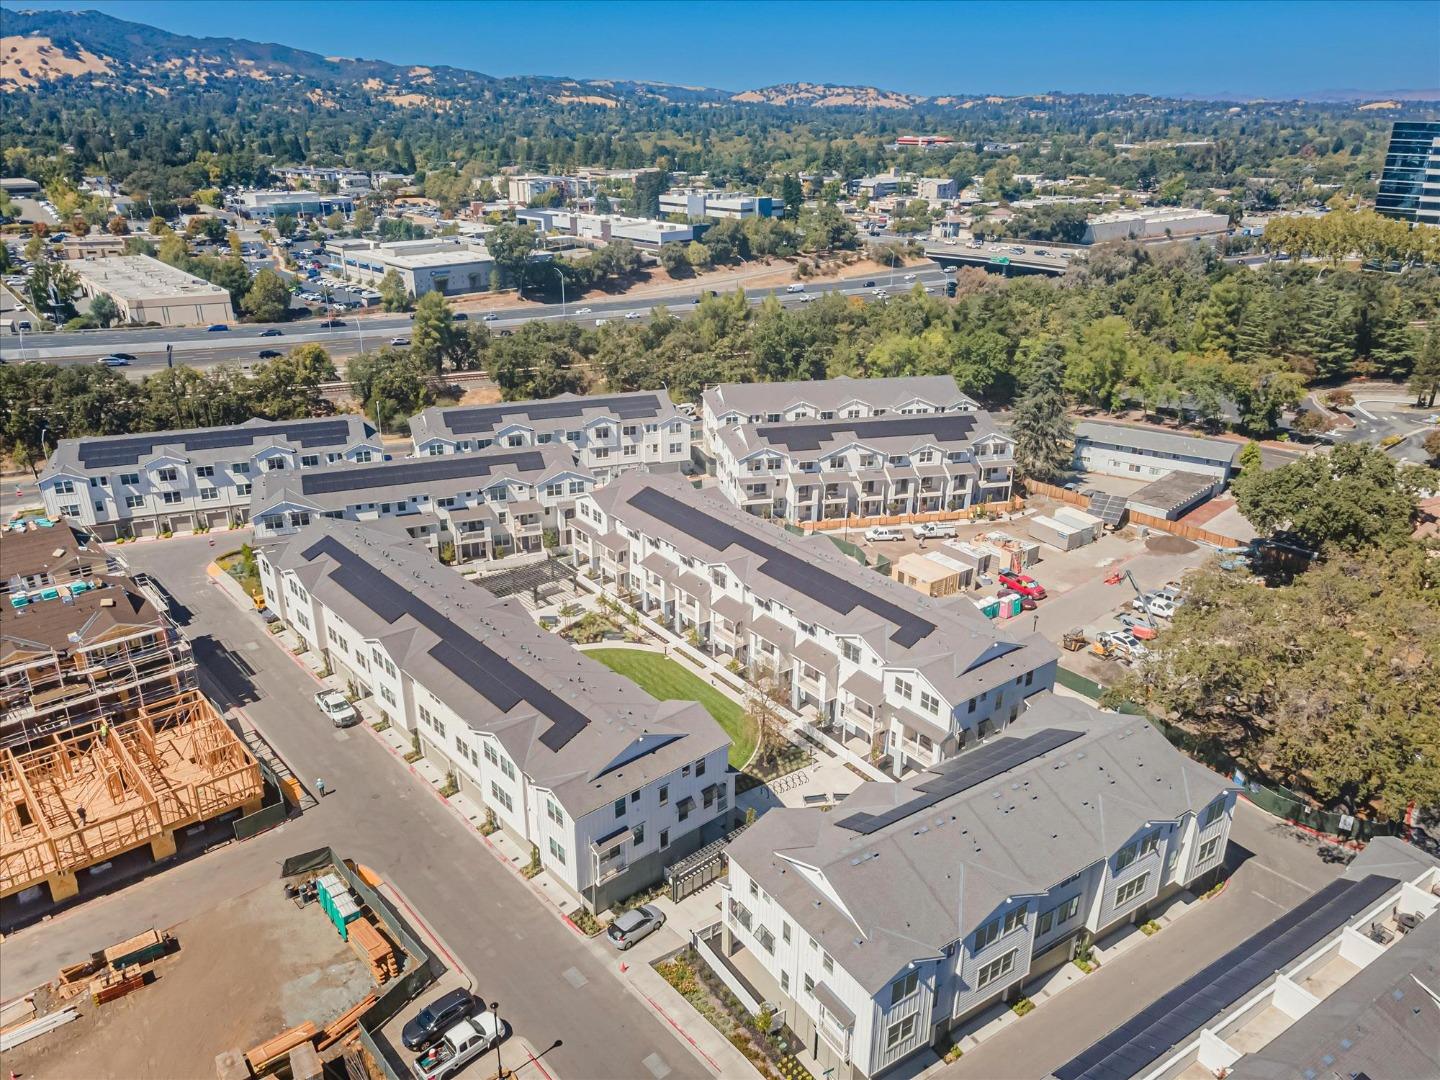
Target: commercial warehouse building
(608,784)
(718,205)
(143,485)
(484,505)
(1161,223)
(268,205)
(147,290)
(608,434)
(883,924)
(1147,454)
(887,670)
(603,228)
(447,265)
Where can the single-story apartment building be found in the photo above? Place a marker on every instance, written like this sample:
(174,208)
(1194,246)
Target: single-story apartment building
(1145,453)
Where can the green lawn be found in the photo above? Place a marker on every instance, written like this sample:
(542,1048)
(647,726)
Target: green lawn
(667,680)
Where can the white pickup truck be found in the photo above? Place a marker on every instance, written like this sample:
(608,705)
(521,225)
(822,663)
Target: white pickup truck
(461,1045)
(932,530)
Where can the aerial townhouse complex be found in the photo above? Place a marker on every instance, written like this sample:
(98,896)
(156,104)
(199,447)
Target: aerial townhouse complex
(145,485)
(607,784)
(484,505)
(884,923)
(80,642)
(734,404)
(608,435)
(895,672)
(815,470)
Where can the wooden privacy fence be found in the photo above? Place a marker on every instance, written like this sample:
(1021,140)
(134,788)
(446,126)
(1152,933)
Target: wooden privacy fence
(1008,506)
(1174,528)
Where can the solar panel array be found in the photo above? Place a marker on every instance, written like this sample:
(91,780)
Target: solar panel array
(1174,1017)
(108,453)
(417,471)
(1108,508)
(477,420)
(945,427)
(818,584)
(963,773)
(480,668)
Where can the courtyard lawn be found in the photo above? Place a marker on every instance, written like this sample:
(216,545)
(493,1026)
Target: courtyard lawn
(667,680)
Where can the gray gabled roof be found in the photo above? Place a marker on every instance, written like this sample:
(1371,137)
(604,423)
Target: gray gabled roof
(561,413)
(446,617)
(1162,442)
(813,440)
(753,399)
(934,876)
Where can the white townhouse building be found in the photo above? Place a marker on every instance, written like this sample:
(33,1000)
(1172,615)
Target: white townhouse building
(813,470)
(845,398)
(142,485)
(1342,984)
(486,505)
(608,784)
(608,435)
(884,923)
(889,671)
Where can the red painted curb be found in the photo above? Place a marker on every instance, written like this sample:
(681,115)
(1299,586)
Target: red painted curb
(679,1030)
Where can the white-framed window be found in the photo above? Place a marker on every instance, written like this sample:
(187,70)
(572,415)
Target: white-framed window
(167,474)
(1126,856)
(1057,916)
(134,502)
(501,796)
(996,969)
(929,702)
(1131,889)
(170,498)
(209,494)
(1212,813)
(904,688)
(1016,919)
(130,478)
(901,988)
(1207,850)
(557,852)
(899,1031)
(554,812)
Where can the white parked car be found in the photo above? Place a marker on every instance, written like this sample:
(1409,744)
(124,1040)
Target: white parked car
(335,705)
(909,277)
(582,311)
(877,533)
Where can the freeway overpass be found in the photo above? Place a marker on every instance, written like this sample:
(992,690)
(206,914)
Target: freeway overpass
(1008,259)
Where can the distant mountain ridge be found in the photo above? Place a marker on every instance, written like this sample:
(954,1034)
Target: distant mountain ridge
(45,49)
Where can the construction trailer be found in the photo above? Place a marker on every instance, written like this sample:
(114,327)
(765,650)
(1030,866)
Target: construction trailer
(929,575)
(76,800)
(1066,528)
(971,555)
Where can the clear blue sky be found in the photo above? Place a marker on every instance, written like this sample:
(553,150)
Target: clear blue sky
(1262,48)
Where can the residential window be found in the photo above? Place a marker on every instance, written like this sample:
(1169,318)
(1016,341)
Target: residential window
(557,852)
(1016,919)
(500,795)
(809,984)
(554,812)
(205,470)
(899,1032)
(1151,843)
(1207,850)
(241,467)
(664,839)
(785,982)
(242,489)
(785,932)
(620,806)
(507,767)
(1126,856)
(309,461)
(170,497)
(766,940)
(700,767)
(904,688)
(1057,916)
(1212,813)
(902,987)
(828,963)
(167,474)
(130,478)
(1130,890)
(850,651)
(929,702)
(134,502)
(637,834)
(754,888)
(275,464)
(664,794)
(490,755)
(209,494)
(996,969)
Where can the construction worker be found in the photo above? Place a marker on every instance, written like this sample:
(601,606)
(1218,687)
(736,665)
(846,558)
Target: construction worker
(320,786)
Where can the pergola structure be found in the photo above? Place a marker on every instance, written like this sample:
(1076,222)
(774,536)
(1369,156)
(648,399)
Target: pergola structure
(79,800)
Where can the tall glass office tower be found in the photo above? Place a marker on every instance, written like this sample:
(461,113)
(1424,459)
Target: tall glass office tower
(1410,184)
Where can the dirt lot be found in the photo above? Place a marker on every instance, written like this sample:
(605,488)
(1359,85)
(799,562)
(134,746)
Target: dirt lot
(245,971)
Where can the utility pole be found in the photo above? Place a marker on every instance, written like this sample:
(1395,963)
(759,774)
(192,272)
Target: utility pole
(562,289)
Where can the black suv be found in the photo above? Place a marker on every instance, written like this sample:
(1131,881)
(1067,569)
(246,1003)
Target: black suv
(429,1025)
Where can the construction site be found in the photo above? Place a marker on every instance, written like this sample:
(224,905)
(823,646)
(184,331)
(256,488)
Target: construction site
(292,978)
(77,800)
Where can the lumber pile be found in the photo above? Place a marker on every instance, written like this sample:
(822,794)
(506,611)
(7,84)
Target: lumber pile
(23,1033)
(75,978)
(375,949)
(281,1045)
(337,1028)
(109,985)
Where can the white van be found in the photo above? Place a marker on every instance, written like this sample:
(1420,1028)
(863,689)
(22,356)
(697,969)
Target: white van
(795,287)
(932,530)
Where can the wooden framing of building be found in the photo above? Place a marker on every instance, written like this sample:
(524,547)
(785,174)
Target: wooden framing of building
(81,799)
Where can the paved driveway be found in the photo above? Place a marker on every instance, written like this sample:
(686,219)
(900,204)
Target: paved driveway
(549,985)
(1276,868)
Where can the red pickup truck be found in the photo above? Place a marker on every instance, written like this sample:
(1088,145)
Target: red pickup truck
(1023,584)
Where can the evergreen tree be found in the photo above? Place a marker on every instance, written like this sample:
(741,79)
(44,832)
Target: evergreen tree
(1255,336)
(1042,429)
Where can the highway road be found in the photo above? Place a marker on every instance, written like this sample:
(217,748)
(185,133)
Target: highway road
(198,347)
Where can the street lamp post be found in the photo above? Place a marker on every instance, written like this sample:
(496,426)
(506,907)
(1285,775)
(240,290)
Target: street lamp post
(499,1035)
(562,289)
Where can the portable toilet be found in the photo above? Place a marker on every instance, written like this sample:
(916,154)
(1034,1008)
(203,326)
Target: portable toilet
(989,605)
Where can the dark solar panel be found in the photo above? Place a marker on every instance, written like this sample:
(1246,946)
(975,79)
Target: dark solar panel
(945,427)
(416,471)
(107,453)
(474,421)
(1160,1027)
(818,584)
(1108,508)
(963,773)
(483,670)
